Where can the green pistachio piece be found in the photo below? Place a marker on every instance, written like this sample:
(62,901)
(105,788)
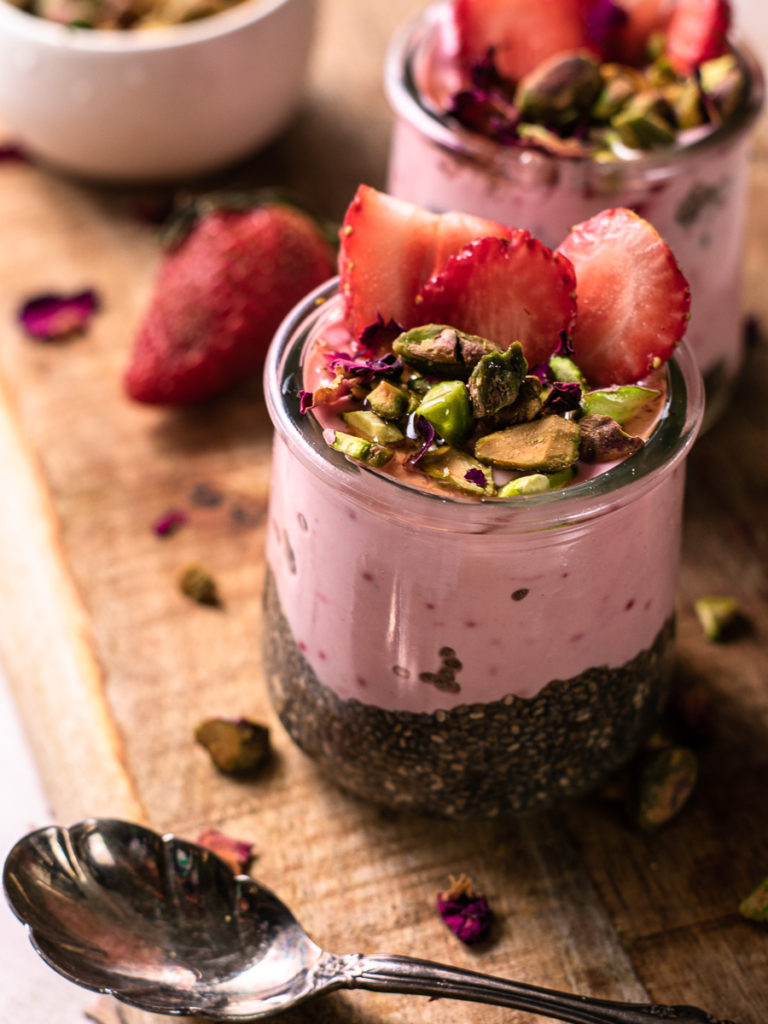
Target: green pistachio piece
(603,440)
(755,906)
(450,466)
(388,400)
(495,382)
(620,403)
(235,745)
(438,349)
(537,483)
(620,83)
(564,369)
(685,100)
(369,452)
(525,407)
(716,615)
(551,142)
(546,445)
(447,407)
(373,427)
(722,80)
(665,784)
(645,122)
(559,90)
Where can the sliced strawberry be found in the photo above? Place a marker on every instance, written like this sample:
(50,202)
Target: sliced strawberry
(522,33)
(697,32)
(632,301)
(505,290)
(644,18)
(389,248)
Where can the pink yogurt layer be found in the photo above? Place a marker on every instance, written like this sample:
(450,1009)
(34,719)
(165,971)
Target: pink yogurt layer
(379,579)
(694,193)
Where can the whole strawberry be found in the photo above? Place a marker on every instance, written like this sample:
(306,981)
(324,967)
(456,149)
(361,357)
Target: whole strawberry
(218,299)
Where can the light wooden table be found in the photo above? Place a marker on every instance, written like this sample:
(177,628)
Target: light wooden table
(111,668)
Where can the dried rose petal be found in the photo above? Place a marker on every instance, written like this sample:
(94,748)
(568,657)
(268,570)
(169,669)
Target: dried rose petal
(237,853)
(169,522)
(366,369)
(465,911)
(427,431)
(476,476)
(603,18)
(13,153)
(565,396)
(306,401)
(52,316)
(380,335)
(564,347)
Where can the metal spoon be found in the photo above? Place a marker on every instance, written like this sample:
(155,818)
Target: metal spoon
(164,925)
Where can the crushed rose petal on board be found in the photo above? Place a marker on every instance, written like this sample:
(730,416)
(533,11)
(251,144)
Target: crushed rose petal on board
(53,316)
(465,911)
(237,853)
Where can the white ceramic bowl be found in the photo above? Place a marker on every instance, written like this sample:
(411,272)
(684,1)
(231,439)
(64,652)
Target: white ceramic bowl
(153,104)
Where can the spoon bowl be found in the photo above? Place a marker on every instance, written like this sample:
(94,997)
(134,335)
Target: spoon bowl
(163,924)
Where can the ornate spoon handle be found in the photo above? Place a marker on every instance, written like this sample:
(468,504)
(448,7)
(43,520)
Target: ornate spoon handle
(382,973)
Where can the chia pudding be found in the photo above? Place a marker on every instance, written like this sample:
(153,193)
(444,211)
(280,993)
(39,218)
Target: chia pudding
(457,655)
(691,186)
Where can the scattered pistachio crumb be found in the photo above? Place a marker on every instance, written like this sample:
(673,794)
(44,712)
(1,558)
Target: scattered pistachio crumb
(236,746)
(717,614)
(665,785)
(755,906)
(198,584)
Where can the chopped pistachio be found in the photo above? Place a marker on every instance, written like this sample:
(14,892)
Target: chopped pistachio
(716,615)
(620,83)
(722,81)
(665,784)
(235,745)
(447,407)
(551,142)
(755,906)
(369,452)
(564,369)
(439,349)
(373,427)
(559,90)
(495,381)
(526,406)
(537,483)
(547,445)
(603,440)
(198,584)
(388,400)
(531,483)
(620,403)
(685,98)
(645,122)
(457,469)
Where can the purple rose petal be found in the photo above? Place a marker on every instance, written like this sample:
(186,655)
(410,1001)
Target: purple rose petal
(427,432)
(565,396)
(51,317)
(306,401)
(542,371)
(564,348)
(169,522)
(366,369)
(476,476)
(603,19)
(378,335)
(11,152)
(465,912)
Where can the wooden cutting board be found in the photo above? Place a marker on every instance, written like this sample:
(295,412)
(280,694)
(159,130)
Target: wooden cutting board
(112,667)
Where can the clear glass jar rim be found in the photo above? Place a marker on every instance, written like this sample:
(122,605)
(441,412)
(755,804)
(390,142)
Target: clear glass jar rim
(664,449)
(403,97)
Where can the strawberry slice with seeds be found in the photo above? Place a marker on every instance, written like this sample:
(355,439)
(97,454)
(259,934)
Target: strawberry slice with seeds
(697,32)
(522,33)
(632,300)
(389,248)
(644,18)
(505,290)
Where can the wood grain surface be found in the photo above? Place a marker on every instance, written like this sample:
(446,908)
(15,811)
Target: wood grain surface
(112,667)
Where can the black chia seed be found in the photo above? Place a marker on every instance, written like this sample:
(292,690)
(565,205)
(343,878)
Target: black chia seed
(475,760)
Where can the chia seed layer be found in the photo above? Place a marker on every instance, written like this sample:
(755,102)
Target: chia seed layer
(474,760)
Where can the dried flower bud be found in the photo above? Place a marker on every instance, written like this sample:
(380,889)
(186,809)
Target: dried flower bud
(198,584)
(237,853)
(465,912)
(236,746)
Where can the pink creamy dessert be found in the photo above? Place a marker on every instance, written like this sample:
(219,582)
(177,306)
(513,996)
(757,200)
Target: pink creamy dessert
(462,656)
(690,186)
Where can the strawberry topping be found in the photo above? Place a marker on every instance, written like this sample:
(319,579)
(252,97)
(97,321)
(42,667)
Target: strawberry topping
(697,32)
(632,302)
(506,290)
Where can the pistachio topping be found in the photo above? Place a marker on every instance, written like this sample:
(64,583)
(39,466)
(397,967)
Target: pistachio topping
(495,381)
(620,403)
(548,445)
(442,350)
(603,440)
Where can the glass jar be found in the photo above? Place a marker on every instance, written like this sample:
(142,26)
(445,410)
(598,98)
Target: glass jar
(461,657)
(694,194)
